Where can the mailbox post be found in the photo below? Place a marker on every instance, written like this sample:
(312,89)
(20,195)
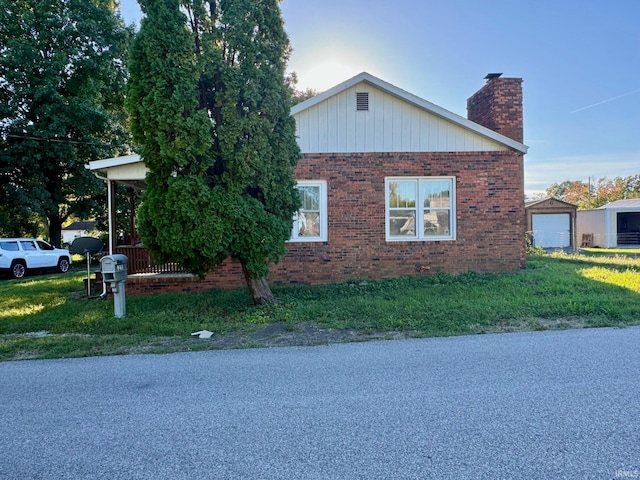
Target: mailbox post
(114,272)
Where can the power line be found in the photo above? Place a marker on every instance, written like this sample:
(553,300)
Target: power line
(64,140)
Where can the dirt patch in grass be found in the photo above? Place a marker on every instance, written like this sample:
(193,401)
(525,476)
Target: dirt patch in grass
(267,336)
(309,334)
(272,335)
(533,324)
(306,334)
(278,335)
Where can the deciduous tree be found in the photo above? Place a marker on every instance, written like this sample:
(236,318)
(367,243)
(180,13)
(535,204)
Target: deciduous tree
(62,80)
(595,194)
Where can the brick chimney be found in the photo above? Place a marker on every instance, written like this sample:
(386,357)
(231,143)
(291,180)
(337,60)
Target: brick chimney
(498,106)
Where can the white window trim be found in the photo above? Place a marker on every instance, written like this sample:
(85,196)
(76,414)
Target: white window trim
(420,201)
(324,222)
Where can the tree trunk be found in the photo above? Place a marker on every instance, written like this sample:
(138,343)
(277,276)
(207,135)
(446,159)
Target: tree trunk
(259,288)
(55,230)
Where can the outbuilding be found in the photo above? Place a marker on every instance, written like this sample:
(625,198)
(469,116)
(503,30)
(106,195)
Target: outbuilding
(551,223)
(616,224)
(76,230)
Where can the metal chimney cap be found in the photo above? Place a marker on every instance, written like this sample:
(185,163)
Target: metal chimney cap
(492,75)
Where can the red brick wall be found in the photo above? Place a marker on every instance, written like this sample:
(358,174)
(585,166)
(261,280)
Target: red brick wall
(490,217)
(227,275)
(498,106)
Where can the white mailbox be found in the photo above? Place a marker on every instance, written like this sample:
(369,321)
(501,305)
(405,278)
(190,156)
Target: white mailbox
(114,267)
(114,272)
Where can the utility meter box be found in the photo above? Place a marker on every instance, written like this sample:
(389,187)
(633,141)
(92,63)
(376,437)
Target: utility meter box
(114,268)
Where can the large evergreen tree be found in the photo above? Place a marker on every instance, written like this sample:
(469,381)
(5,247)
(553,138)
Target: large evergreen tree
(62,81)
(210,108)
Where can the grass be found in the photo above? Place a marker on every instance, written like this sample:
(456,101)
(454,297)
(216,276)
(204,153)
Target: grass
(608,252)
(50,316)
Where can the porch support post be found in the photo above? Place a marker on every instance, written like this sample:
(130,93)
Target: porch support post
(111,194)
(132,218)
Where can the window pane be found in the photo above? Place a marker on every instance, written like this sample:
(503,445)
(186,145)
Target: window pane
(436,222)
(402,194)
(402,223)
(44,245)
(309,224)
(436,193)
(10,246)
(310,221)
(420,208)
(309,198)
(28,245)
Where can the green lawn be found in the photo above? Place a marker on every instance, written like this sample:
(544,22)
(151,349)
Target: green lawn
(50,316)
(608,252)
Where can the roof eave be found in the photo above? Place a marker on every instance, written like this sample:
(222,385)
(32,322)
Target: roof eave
(98,165)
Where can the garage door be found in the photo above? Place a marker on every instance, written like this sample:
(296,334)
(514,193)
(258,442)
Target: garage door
(551,230)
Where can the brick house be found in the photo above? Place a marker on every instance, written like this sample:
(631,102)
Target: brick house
(393,185)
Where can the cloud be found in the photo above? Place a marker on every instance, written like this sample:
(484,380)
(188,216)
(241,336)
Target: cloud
(606,101)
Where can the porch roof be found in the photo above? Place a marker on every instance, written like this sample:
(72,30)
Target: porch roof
(128,169)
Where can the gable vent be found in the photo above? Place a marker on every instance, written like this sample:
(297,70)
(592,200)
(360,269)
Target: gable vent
(362,101)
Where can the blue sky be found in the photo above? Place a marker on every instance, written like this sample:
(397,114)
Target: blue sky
(579,59)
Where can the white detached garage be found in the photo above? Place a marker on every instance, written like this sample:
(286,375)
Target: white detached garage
(616,224)
(551,223)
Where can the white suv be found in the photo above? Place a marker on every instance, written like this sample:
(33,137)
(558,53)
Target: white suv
(19,254)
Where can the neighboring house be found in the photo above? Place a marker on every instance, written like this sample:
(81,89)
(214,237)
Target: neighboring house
(616,224)
(552,223)
(76,230)
(393,185)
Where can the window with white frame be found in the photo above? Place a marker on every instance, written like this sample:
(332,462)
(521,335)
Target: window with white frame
(310,222)
(420,208)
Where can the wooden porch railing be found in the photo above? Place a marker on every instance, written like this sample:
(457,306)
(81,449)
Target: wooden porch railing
(139,261)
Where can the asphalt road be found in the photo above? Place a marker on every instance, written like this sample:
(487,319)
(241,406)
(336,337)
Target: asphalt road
(545,405)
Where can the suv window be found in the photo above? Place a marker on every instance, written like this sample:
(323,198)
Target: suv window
(9,246)
(28,245)
(44,245)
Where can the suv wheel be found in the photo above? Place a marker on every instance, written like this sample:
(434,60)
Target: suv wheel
(18,269)
(63,265)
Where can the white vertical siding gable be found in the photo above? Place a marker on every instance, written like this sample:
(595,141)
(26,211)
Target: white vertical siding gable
(391,124)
